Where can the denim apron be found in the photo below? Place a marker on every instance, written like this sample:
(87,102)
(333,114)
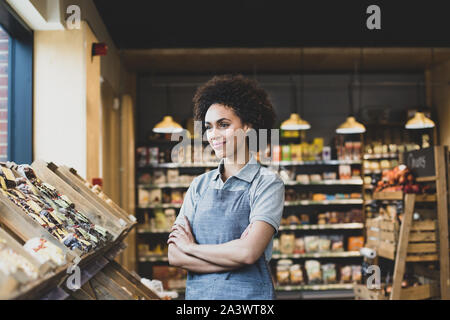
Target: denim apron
(221,216)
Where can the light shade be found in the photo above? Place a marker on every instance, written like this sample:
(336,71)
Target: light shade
(351,126)
(295,123)
(419,121)
(167,125)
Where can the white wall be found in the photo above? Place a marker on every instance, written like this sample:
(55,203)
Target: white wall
(60,98)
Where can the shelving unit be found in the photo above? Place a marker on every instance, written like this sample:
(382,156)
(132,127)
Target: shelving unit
(151,235)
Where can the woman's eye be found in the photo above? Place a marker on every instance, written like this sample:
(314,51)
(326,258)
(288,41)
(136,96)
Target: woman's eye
(224,125)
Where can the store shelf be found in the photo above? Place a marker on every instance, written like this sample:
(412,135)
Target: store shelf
(317,162)
(323,226)
(356,182)
(317,287)
(323,202)
(150,231)
(164,185)
(161,205)
(154,259)
(380,156)
(344,254)
(172,165)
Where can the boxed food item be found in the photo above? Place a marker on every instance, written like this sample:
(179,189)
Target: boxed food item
(346,274)
(329,175)
(329,273)
(337,243)
(315,178)
(326,153)
(287,243)
(311,244)
(293,220)
(299,245)
(144,197)
(302,178)
(345,172)
(172,175)
(324,244)
(313,271)
(286,153)
(159,176)
(356,274)
(304,219)
(322,218)
(296,274)
(283,273)
(355,243)
(176,196)
(170,216)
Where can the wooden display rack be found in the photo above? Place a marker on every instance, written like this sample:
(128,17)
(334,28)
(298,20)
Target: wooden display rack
(417,241)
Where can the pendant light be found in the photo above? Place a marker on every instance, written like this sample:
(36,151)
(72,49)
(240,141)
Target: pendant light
(295,122)
(167,125)
(420,121)
(350,125)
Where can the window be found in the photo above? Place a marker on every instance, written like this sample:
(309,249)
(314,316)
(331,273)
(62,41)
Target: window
(16,87)
(4,57)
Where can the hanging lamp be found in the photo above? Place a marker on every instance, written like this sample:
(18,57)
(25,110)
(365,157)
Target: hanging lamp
(420,120)
(350,125)
(167,125)
(295,122)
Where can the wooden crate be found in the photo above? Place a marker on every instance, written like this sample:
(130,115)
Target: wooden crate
(98,216)
(420,292)
(372,233)
(395,195)
(422,245)
(71,177)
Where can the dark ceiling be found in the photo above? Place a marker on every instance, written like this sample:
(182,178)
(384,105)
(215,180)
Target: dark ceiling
(144,24)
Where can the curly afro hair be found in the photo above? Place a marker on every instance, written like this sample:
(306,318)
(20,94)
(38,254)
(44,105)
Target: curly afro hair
(244,96)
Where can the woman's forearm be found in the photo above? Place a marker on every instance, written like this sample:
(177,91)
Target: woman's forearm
(180,259)
(235,253)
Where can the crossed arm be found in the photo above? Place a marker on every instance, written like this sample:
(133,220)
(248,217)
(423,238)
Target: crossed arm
(184,252)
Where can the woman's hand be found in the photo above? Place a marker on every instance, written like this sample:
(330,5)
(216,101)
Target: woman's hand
(182,237)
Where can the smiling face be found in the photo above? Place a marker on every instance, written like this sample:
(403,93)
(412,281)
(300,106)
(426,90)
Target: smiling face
(225,131)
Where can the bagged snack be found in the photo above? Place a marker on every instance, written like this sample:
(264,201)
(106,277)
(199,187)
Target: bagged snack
(299,245)
(356,274)
(329,273)
(346,274)
(313,271)
(287,242)
(296,274)
(324,244)
(311,244)
(283,273)
(337,243)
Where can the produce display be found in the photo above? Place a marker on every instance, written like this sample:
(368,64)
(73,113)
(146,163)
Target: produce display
(400,179)
(53,211)
(293,195)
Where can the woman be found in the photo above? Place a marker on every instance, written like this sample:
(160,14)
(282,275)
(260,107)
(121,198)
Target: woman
(224,232)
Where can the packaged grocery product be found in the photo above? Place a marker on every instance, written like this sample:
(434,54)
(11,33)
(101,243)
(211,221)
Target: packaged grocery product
(329,175)
(276,153)
(355,243)
(160,219)
(346,274)
(311,244)
(176,196)
(313,271)
(145,178)
(304,219)
(321,218)
(154,196)
(326,153)
(276,246)
(159,176)
(337,243)
(302,178)
(293,220)
(315,178)
(286,153)
(287,243)
(319,197)
(299,245)
(345,172)
(296,274)
(324,244)
(329,273)
(172,175)
(144,197)
(170,216)
(283,274)
(356,274)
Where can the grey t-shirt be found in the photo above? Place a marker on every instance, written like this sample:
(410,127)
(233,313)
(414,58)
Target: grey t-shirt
(266,194)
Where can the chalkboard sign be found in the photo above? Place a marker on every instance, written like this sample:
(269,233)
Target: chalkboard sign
(421,162)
